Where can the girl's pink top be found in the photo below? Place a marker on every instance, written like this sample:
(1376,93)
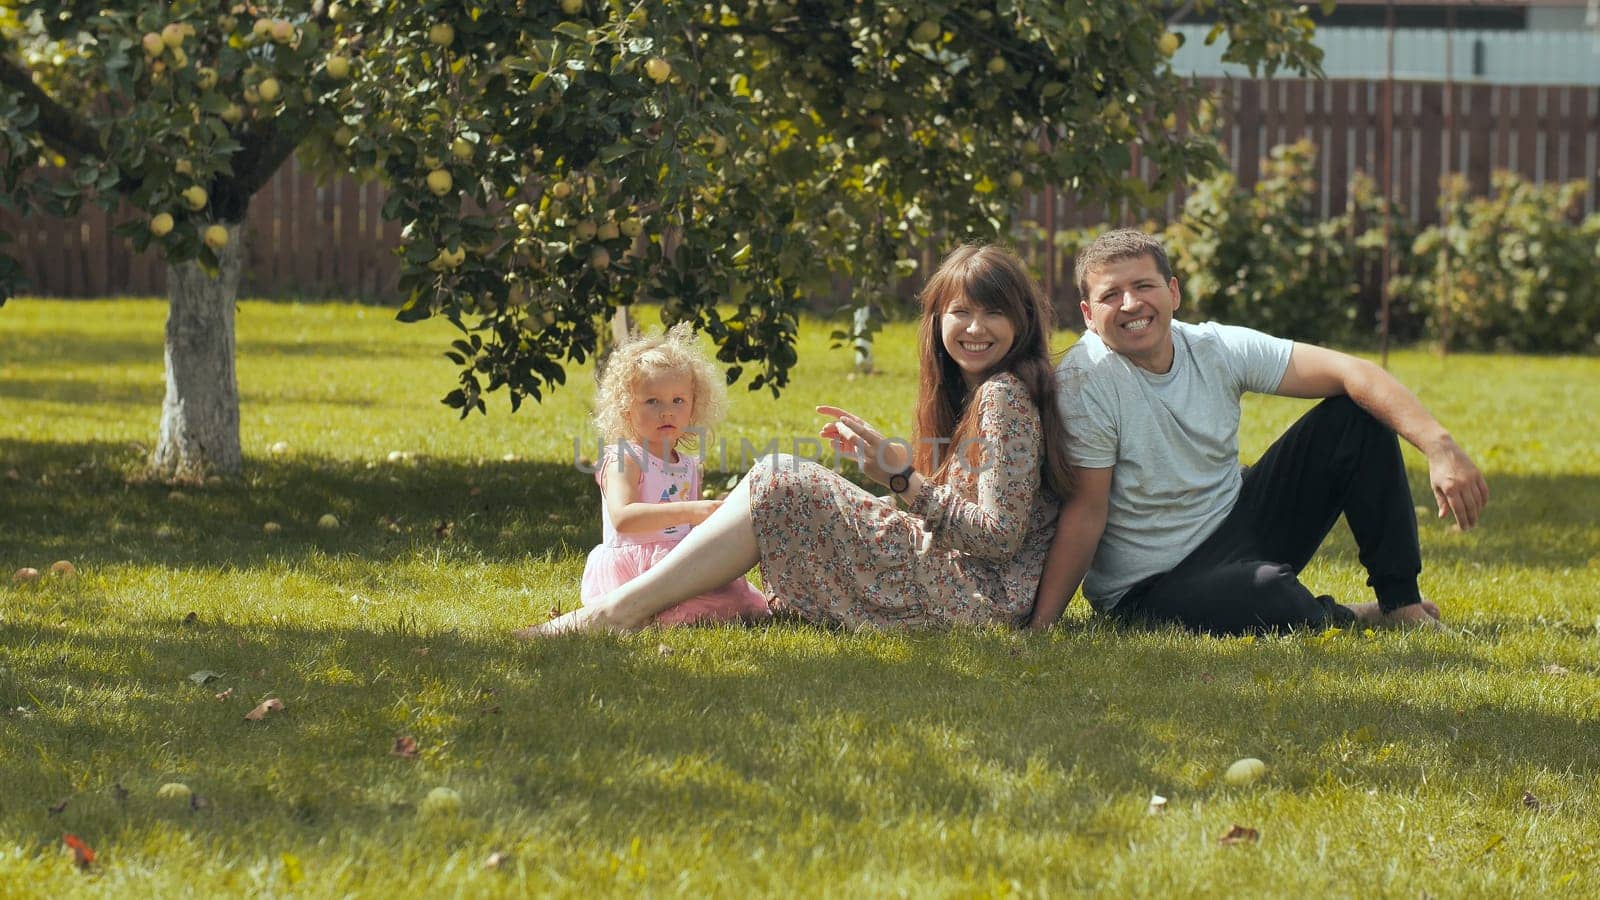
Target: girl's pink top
(660,482)
(620,558)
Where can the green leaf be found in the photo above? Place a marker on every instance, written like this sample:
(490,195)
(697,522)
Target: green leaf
(574,31)
(614,152)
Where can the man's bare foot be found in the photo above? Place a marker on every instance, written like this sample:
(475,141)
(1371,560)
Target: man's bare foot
(584,618)
(1416,615)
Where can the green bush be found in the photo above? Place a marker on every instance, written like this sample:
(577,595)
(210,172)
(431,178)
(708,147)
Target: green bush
(1514,270)
(1520,271)
(1266,258)
(1363,218)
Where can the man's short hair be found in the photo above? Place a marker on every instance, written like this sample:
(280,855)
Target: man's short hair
(1116,246)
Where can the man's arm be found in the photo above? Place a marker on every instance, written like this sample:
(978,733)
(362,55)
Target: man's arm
(1078,530)
(1458,486)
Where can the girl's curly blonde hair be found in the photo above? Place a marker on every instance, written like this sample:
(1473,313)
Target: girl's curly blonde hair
(644,356)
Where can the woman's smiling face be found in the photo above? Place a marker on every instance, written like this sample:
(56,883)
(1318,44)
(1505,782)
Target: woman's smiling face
(977,339)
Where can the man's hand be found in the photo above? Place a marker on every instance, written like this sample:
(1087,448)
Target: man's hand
(1078,531)
(1458,486)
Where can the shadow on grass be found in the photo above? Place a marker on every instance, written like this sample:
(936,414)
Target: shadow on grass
(146,396)
(1532,520)
(73,390)
(82,501)
(774,729)
(46,349)
(77,500)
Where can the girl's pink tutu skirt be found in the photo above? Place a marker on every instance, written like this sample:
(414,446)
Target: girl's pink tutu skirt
(612,567)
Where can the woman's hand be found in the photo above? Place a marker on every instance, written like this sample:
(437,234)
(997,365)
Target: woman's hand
(880,457)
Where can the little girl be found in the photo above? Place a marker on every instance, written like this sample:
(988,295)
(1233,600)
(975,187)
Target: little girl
(653,391)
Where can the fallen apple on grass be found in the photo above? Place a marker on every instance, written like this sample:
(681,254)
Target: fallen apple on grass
(441,801)
(1245,772)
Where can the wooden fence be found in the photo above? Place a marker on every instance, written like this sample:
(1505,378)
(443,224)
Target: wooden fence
(328,240)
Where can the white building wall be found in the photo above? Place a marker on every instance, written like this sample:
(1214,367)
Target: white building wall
(1569,56)
(1544,18)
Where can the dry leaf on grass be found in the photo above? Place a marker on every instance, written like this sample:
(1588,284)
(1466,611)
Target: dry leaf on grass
(496,860)
(663,650)
(292,871)
(419,651)
(1238,834)
(224,695)
(203,676)
(1489,845)
(405,747)
(1158,804)
(1554,669)
(81,854)
(266,706)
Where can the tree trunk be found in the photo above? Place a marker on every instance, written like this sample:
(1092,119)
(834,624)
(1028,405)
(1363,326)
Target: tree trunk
(200,416)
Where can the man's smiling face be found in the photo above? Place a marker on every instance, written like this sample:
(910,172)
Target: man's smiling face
(1130,306)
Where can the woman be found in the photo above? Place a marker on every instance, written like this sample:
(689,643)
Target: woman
(981,488)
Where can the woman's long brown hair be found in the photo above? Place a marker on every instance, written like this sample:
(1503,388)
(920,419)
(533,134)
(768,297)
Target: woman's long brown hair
(991,278)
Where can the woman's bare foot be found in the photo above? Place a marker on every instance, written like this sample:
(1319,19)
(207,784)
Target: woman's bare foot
(584,618)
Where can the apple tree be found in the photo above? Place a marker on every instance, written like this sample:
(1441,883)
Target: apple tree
(552,162)
(179,111)
(556,161)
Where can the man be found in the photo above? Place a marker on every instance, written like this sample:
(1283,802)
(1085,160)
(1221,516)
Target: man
(1164,523)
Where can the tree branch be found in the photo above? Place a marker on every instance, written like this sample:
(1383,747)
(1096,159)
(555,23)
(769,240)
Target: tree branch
(261,155)
(62,130)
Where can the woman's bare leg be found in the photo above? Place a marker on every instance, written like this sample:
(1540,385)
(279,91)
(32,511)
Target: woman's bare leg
(716,552)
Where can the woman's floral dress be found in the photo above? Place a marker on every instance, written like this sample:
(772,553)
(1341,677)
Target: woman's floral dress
(968,551)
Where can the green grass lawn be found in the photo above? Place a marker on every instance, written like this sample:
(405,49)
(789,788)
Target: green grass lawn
(774,760)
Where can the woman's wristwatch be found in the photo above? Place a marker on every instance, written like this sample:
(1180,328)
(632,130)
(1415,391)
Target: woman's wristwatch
(900,482)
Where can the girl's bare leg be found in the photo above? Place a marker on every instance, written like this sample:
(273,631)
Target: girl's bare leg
(716,552)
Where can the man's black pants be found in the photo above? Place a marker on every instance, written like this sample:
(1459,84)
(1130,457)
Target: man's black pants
(1245,577)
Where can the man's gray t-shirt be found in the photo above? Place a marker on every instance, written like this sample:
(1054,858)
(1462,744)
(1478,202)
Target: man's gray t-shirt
(1172,441)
